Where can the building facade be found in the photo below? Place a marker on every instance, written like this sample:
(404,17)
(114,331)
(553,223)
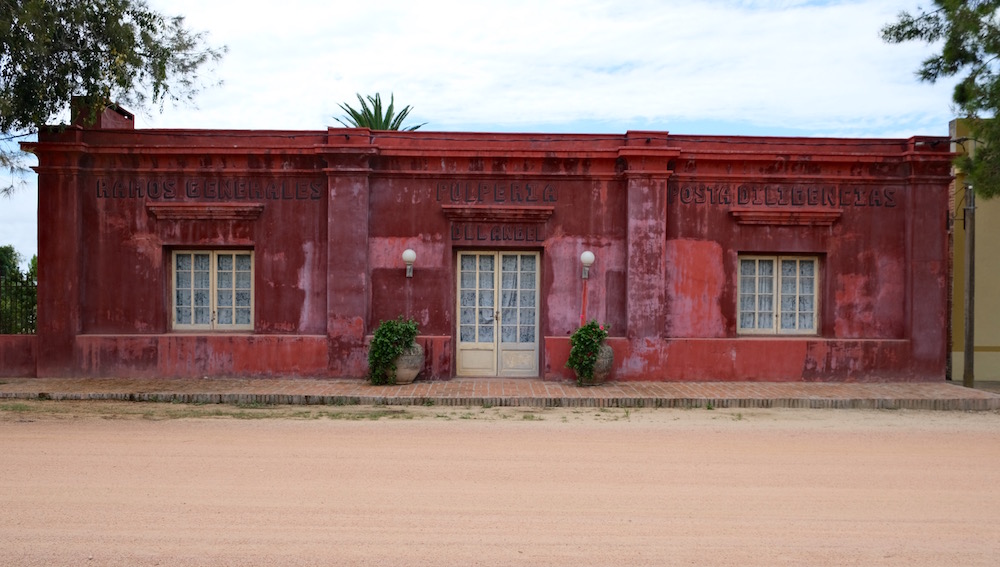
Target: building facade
(986,335)
(198,253)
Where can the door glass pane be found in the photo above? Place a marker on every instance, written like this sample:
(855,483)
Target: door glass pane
(486,298)
(527,280)
(508,333)
(468,299)
(468,333)
(485,280)
(527,299)
(468,316)
(509,263)
(508,315)
(527,316)
(527,334)
(468,263)
(468,280)
(486,333)
(486,263)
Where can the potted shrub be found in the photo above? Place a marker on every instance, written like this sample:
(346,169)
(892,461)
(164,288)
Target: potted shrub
(589,356)
(394,356)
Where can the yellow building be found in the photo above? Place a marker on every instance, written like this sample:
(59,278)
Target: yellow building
(987,274)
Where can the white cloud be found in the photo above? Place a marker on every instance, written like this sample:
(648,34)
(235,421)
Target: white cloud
(819,67)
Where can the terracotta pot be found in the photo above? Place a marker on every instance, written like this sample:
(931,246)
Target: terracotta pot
(602,367)
(409,364)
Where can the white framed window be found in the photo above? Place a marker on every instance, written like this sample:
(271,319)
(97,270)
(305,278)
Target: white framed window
(213,290)
(778,295)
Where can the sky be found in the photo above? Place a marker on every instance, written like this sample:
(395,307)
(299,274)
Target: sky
(729,67)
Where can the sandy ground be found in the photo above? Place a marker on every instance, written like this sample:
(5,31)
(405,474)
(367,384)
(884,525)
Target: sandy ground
(103,484)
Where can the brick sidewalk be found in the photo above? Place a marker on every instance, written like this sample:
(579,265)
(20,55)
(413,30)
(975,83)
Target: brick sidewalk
(511,392)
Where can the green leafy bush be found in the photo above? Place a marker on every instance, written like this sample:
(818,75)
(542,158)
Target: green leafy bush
(391,339)
(584,344)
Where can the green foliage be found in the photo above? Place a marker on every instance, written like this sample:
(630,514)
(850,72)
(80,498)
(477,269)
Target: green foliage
(18,294)
(9,261)
(968,33)
(391,339)
(373,117)
(111,50)
(584,345)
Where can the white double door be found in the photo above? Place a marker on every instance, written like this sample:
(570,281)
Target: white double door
(497,314)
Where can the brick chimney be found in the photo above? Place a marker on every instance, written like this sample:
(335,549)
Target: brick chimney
(108,116)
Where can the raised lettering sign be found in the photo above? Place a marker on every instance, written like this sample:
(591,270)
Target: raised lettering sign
(209,189)
(782,195)
(496,232)
(495,192)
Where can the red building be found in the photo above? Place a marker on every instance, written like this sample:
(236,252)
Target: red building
(197,252)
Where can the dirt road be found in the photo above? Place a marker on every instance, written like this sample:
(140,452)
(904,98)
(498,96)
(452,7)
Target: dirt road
(175,486)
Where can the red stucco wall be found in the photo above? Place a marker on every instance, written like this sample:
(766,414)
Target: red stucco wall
(328,214)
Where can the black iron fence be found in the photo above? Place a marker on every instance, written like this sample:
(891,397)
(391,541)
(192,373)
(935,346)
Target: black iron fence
(18,307)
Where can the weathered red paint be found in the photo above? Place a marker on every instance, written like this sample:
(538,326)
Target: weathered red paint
(329,213)
(17,355)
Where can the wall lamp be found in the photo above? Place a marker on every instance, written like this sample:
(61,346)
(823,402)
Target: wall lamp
(409,256)
(587,259)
